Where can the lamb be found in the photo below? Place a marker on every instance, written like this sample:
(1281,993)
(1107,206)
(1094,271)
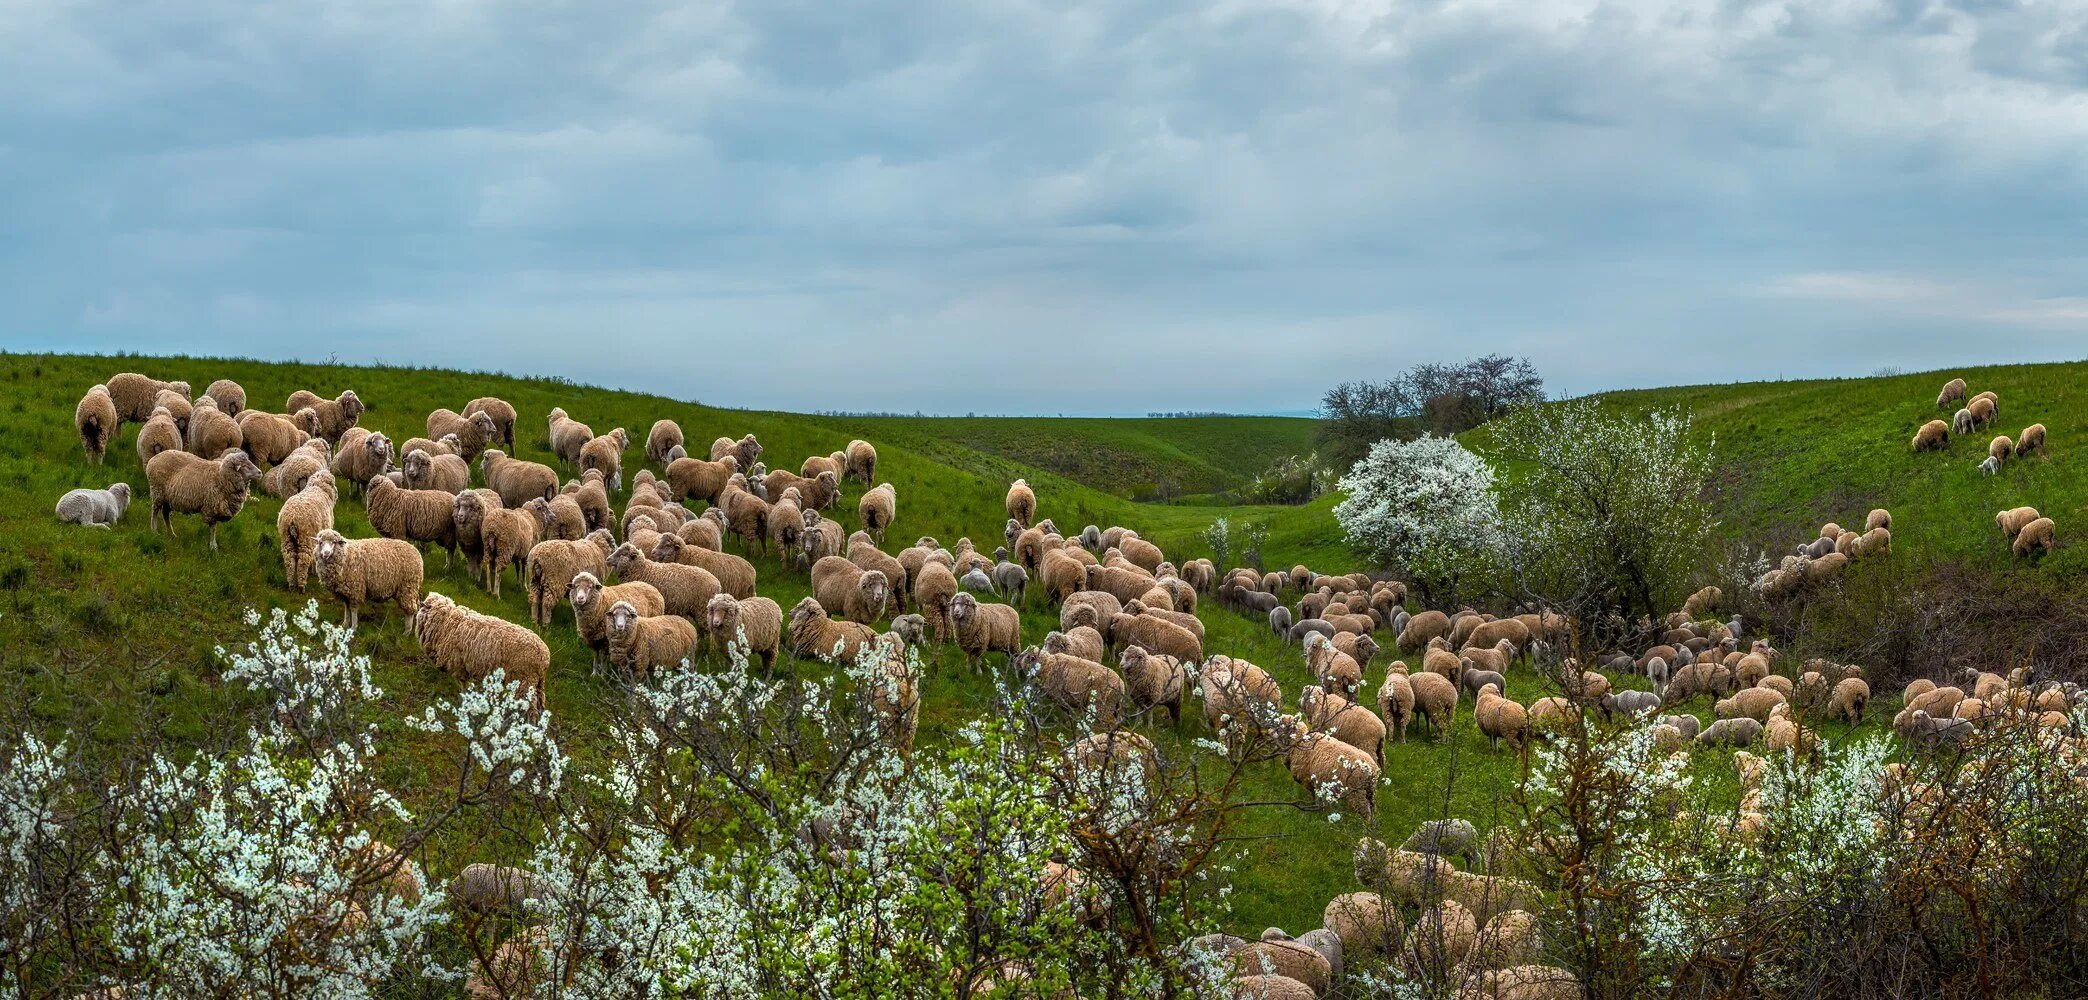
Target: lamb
(181,483)
(506,537)
(446,473)
(2035,538)
(1010,581)
(862,461)
(591,601)
(417,516)
(1737,732)
(1022,502)
(1933,436)
(665,436)
(2011,522)
(299,523)
(643,643)
(568,436)
(368,570)
(361,456)
(735,575)
(876,508)
(270,437)
(1323,763)
(746,450)
(95,419)
(516,480)
(1151,680)
(95,508)
(553,563)
(134,395)
(1501,719)
(687,589)
(1962,422)
(980,628)
(470,646)
(605,454)
(1349,722)
(1473,680)
(210,432)
(1436,698)
(812,633)
(756,621)
(159,434)
(558,517)
(2032,439)
(1157,635)
(975,581)
(335,415)
(934,587)
(1953,391)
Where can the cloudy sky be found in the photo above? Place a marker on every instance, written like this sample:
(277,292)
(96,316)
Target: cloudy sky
(1005,206)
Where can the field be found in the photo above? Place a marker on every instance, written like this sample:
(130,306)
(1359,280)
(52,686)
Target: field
(110,635)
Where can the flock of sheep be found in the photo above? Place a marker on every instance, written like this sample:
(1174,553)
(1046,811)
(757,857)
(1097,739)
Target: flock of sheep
(2028,532)
(676,588)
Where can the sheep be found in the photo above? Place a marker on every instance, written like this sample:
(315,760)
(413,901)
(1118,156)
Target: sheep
(95,508)
(981,628)
(934,586)
(1083,641)
(861,461)
(299,523)
(1984,408)
(1953,391)
(1074,684)
(215,490)
(270,437)
(641,643)
(558,517)
(210,432)
(1323,763)
(1151,680)
(1933,435)
(1932,730)
(1736,732)
(816,493)
(687,589)
(736,576)
(1423,627)
(553,563)
(567,436)
(1366,923)
(1327,711)
(506,537)
(875,510)
(812,633)
(296,468)
(1501,719)
(1753,703)
(690,477)
(786,523)
(2001,449)
(159,434)
(360,456)
(975,581)
(1157,635)
(335,415)
(746,450)
(1436,698)
(1780,733)
(1182,618)
(1395,700)
(1332,668)
(134,395)
(368,570)
(445,473)
(2034,539)
(895,698)
(756,621)
(662,439)
(95,419)
(2012,521)
(746,514)
(468,511)
(605,453)
(1022,503)
(860,594)
(1523,982)
(591,600)
(2032,439)
(1277,960)
(470,646)
(1472,679)
(516,480)
(1629,703)
(1010,581)
(417,516)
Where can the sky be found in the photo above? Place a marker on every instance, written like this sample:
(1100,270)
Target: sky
(1015,207)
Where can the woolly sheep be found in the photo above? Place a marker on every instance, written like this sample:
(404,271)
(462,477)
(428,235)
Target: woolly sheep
(1435,696)
(446,473)
(368,570)
(1953,391)
(812,633)
(1737,732)
(291,474)
(982,628)
(1351,723)
(418,516)
(2035,538)
(933,589)
(639,644)
(1934,435)
(735,576)
(2012,521)
(746,450)
(2001,449)
(662,439)
(1753,703)
(605,454)
(1443,936)
(1366,923)
(468,512)
(1157,635)
(756,621)
(593,497)
(470,646)
(1151,680)
(819,492)
(1423,627)
(687,589)
(135,395)
(591,600)
(859,594)
(567,435)
(95,419)
(861,461)
(299,523)
(1984,409)
(1279,958)
(1453,838)
(1523,982)
(516,480)
(1332,668)
(553,563)
(975,581)
(876,508)
(215,490)
(1321,763)
(1629,703)
(2032,439)
(558,517)
(360,456)
(1501,719)
(159,434)
(691,477)
(506,537)
(335,415)
(95,508)
(210,432)
(1396,703)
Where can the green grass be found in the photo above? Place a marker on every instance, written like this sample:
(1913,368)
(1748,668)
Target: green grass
(109,635)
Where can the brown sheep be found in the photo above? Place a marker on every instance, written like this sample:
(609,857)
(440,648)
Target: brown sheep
(134,395)
(1319,761)
(2001,449)
(1501,719)
(553,563)
(1985,409)
(1423,627)
(1151,680)
(862,462)
(558,517)
(860,594)
(181,483)
(688,589)
(746,450)
(2032,439)
(210,432)
(505,539)
(876,509)
(516,480)
(2012,521)
(474,430)
(980,628)
(933,589)
(96,421)
(817,493)
(1953,391)
(1395,700)
(736,576)
(368,569)
(1349,722)
(640,644)
(503,414)
(567,435)
(661,440)
(303,517)
(605,455)
(692,477)
(1155,634)
(361,455)
(1932,436)
(1435,697)
(428,471)
(158,435)
(591,600)
(336,415)
(2036,538)
(1022,503)
(757,621)
(468,645)
(812,633)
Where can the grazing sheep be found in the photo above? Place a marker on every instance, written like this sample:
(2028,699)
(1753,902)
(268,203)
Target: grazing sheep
(368,570)
(553,563)
(2001,449)
(1321,762)
(1335,670)
(417,516)
(299,523)
(746,450)
(210,432)
(95,508)
(470,646)
(861,463)
(94,417)
(687,589)
(876,508)
(335,415)
(1984,408)
(567,436)
(159,434)
(1501,719)
(934,587)
(1738,732)
(1752,703)
(1395,701)
(1629,703)
(1366,923)
(516,480)
(2035,538)
(2032,439)
(1157,635)
(591,600)
(506,537)
(1962,422)
(1088,607)
(980,628)
(816,493)
(2011,521)
(660,442)
(270,437)
(215,490)
(1075,684)
(1022,502)
(1933,435)
(1435,697)
(1276,959)
(558,517)
(1010,581)
(639,644)
(605,454)
(1422,628)
(446,473)
(1330,712)
(135,395)
(1953,391)
(812,633)
(756,621)
(360,456)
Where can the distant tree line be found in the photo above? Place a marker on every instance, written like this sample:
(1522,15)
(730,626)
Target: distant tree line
(1439,399)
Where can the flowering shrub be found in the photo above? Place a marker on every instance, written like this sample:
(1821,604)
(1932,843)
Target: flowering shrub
(1426,506)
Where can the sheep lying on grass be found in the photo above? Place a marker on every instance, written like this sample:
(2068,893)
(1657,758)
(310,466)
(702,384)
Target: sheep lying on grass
(95,508)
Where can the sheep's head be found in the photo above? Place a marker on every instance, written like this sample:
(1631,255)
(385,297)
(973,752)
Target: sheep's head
(416,467)
(722,612)
(583,591)
(963,607)
(180,387)
(330,547)
(238,461)
(452,442)
(121,491)
(351,405)
(467,509)
(539,508)
(875,588)
(828,480)
(676,454)
(622,618)
(668,549)
(910,628)
(625,556)
(483,423)
(804,611)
